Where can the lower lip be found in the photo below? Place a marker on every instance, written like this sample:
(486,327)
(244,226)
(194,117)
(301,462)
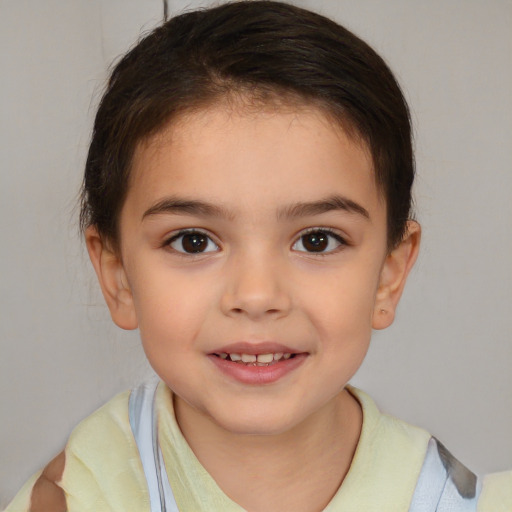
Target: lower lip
(249,374)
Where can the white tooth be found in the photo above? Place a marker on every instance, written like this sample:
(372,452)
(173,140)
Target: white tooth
(287,356)
(235,357)
(265,358)
(277,356)
(248,358)
(223,355)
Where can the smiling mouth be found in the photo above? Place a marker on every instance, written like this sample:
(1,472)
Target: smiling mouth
(268,359)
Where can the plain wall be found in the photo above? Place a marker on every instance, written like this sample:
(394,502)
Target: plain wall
(446,362)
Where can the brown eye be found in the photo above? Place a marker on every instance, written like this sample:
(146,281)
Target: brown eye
(315,242)
(193,242)
(318,241)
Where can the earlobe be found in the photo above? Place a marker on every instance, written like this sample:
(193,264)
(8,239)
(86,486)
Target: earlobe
(393,277)
(112,278)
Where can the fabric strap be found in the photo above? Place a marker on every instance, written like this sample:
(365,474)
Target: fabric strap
(444,484)
(144,424)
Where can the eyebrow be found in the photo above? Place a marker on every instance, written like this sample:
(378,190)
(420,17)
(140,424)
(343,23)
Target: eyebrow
(176,206)
(329,204)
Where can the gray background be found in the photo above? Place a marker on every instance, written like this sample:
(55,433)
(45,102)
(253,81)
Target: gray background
(444,365)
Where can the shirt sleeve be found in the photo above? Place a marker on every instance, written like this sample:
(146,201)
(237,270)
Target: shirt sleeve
(102,469)
(21,502)
(496,493)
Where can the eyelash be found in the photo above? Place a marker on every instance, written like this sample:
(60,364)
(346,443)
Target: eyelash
(326,231)
(192,231)
(315,230)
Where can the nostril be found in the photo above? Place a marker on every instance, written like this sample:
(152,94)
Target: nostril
(255,305)
(268,311)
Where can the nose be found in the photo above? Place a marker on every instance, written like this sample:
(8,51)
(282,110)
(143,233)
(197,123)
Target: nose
(256,287)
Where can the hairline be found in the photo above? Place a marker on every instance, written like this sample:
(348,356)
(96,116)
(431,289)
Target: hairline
(246,99)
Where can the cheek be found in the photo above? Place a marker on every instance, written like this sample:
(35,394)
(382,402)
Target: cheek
(170,310)
(341,312)
(345,298)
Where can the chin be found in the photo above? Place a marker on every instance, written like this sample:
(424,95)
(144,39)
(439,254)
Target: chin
(250,424)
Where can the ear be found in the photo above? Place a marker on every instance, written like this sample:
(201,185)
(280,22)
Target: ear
(393,276)
(112,278)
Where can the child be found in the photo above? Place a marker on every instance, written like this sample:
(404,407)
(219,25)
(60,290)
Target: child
(246,205)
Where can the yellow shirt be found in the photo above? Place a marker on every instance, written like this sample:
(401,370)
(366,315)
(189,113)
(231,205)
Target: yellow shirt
(103,471)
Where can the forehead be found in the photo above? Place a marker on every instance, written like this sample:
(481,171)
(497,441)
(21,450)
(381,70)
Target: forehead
(265,156)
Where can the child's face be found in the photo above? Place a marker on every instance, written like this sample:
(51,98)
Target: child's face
(289,230)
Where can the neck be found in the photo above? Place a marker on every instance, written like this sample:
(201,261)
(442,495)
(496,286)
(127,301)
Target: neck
(299,470)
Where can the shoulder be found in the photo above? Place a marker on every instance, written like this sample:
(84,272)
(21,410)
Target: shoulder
(103,468)
(99,469)
(388,431)
(496,493)
(108,424)
(387,461)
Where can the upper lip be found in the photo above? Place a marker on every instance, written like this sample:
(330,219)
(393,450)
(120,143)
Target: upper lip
(265,347)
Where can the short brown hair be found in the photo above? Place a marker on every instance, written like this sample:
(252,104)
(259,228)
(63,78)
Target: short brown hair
(261,48)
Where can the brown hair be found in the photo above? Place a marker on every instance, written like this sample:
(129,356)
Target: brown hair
(264,50)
